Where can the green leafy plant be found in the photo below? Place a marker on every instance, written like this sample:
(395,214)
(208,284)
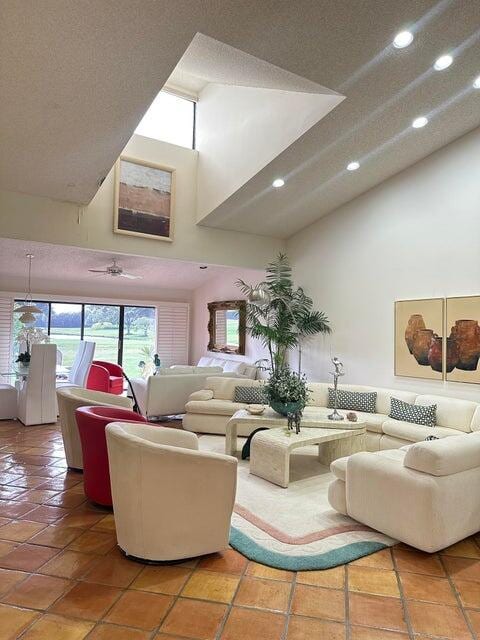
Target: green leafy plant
(23,358)
(287,386)
(285,317)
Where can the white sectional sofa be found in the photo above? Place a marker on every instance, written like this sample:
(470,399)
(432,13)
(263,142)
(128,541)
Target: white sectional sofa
(209,410)
(424,494)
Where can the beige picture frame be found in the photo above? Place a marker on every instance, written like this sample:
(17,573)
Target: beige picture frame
(416,324)
(463,341)
(147,197)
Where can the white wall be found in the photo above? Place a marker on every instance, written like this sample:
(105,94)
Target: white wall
(416,235)
(239,130)
(218,289)
(35,218)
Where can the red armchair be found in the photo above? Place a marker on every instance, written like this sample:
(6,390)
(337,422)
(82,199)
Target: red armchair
(106,377)
(91,423)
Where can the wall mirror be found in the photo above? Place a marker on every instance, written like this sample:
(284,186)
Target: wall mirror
(226,326)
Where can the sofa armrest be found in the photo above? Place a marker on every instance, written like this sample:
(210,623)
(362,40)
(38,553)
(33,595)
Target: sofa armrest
(203,394)
(446,456)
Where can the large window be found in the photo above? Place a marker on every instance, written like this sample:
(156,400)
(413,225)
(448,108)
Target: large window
(170,118)
(122,334)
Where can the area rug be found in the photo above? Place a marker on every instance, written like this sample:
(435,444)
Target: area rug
(294,528)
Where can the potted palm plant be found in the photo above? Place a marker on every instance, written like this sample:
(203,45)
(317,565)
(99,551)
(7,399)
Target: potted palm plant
(282,316)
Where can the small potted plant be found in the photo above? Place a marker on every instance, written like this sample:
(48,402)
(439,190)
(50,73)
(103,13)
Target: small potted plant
(287,391)
(23,358)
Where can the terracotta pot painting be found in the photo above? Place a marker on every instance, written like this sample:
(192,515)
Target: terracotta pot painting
(419,335)
(463,325)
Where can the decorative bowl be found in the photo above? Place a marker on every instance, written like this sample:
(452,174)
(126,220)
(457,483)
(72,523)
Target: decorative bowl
(256,409)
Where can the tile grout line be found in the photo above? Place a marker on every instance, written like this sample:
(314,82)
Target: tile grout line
(458,599)
(403,600)
(293,586)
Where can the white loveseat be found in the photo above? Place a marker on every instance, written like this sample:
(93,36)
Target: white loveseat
(209,410)
(167,392)
(424,495)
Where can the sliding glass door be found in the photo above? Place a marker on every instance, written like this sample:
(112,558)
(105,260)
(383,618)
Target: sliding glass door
(138,339)
(102,326)
(122,334)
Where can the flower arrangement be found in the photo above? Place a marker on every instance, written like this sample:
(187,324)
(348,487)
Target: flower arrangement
(28,336)
(288,388)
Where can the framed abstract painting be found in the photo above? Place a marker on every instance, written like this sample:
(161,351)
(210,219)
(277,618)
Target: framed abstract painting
(144,199)
(419,333)
(463,341)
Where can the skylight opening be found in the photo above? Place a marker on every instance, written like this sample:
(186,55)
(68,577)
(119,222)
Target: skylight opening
(170,118)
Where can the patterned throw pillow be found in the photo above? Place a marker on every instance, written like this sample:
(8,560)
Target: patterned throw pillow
(415,413)
(250,395)
(354,400)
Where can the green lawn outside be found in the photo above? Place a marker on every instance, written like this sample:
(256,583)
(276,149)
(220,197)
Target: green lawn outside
(67,340)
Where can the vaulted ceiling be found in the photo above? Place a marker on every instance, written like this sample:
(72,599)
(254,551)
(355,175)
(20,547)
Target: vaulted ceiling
(77,77)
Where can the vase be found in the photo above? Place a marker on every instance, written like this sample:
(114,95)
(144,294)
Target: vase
(467,336)
(452,354)
(415,323)
(284,408)
(421,346)
(435,354)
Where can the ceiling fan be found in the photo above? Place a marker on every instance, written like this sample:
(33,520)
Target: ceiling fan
(115,270)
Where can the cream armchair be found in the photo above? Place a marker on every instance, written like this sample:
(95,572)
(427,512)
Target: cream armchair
(423,494)
(170,500)
(71,398)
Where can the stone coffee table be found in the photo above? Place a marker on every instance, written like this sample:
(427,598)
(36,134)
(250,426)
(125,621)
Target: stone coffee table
(271,419)
(270,450)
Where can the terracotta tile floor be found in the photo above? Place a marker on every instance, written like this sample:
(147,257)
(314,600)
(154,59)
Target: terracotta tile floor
(63,578)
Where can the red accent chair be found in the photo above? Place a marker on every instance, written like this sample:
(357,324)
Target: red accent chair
(106,377)
(91,423)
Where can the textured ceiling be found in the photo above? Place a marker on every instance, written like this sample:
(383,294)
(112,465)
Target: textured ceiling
(62,268)
(76,78)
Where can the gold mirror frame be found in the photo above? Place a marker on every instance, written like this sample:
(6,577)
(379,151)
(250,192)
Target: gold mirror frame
(227,305)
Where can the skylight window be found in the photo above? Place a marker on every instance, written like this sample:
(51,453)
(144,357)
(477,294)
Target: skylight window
(170,118)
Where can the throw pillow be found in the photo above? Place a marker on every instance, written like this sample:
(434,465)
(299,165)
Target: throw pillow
(250,395)
(355,400)
(415,413)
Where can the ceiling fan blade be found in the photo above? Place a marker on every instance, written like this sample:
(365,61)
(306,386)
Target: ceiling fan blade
(98,271)
(130,276)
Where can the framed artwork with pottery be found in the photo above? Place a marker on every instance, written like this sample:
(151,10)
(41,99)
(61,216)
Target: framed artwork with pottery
(463,341)
(144,199)
(419,333)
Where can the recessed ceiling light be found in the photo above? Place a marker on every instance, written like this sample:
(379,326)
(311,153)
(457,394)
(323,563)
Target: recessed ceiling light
(278,182)
(353,166)
(420,122)
(403,39)
(476,83)
(443,62)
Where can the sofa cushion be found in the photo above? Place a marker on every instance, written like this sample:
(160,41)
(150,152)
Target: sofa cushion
(209,371)
(475,424)
(415,432)
(224,388)
(205,361)
(177,370)
(443,458)
(232,366)
(250,395)
(353,400)
(417,414)
(202,394)
(374,421)
(384,398)
(339,468)
(451,412)
(214,407)
(250,371)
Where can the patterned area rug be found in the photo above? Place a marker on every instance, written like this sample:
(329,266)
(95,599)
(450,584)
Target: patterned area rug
(294,528)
